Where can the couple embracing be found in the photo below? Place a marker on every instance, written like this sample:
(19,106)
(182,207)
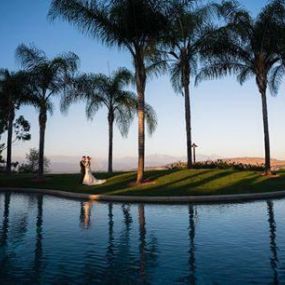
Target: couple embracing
(87,177)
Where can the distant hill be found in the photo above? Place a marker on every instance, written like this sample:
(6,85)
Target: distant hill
(70,164)
(275,163)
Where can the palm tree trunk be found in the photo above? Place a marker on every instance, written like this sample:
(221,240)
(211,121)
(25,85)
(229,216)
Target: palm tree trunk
(261,81)
(262,90)
(188,124)
(266,134)
(140,84)
(9,141)
(110,155)
(42,124)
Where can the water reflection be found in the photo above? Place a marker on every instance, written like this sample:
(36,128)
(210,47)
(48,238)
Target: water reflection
(39,238)
(142,242)
(85,214)
(192,231)
(5,224)
(137,243)
(273,245)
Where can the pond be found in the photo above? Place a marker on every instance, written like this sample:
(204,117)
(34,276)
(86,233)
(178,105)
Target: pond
(49,240)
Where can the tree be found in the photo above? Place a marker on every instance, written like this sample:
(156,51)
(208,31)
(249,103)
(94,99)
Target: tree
(279,69)
(48,77)
(21,131)
(32,162)
(109,91)
(245,46)
(134,25)
(184,37)
(13,93)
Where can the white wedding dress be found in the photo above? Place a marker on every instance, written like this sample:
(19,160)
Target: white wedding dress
(89,179)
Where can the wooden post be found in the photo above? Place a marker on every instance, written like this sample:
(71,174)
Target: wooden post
(194,146)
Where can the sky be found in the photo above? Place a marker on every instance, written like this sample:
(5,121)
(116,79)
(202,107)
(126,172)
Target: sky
(226,117)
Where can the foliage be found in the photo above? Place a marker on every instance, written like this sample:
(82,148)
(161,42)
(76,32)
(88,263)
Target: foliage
(22,129)
(218,164)
(32,163)
(99,90)
(134,25)
(48,77)
(188,27)
(245,46)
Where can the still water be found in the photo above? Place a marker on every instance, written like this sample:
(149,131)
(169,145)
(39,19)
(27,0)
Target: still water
(48,240)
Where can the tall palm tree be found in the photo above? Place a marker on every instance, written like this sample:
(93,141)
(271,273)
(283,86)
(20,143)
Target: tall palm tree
(279,69)
(134,25)
(184,38)
(109,91)
(48,77)
(245,46)
(13,93)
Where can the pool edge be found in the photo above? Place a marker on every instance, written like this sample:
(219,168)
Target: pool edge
(152,199)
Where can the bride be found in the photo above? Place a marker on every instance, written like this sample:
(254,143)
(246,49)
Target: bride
(89,179)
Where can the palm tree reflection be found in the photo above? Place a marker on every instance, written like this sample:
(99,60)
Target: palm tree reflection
(142,245)
(110,248)
(192,232)
(127,216)
(273,245)
(5,225)
(39,238)
(147,249)
(85,214)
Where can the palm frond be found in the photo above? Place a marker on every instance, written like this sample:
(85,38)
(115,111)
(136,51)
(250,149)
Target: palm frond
(275,79)
(30,56)
(123,117)
(122,77)
(151,119)
(219,69)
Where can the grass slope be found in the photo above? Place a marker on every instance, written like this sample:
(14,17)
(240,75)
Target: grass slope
(165,183)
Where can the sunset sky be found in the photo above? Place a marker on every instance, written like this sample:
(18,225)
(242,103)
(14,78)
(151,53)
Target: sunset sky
(226,117)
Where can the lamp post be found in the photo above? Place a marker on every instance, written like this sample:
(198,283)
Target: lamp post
(194,146)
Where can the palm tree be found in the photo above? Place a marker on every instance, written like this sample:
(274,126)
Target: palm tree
(245,46)
(13,92)
(279,70)
(48,77)
(184,38)
(109,91)
(134,25)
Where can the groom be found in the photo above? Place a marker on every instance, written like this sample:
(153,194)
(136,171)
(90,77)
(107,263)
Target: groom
(82,168)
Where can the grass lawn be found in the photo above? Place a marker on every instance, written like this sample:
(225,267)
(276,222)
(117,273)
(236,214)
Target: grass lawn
(165,183)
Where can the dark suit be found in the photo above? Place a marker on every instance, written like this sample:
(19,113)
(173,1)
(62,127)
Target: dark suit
(82,171)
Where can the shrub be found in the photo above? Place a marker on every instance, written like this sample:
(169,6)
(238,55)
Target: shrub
(32,164)
(218,164)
